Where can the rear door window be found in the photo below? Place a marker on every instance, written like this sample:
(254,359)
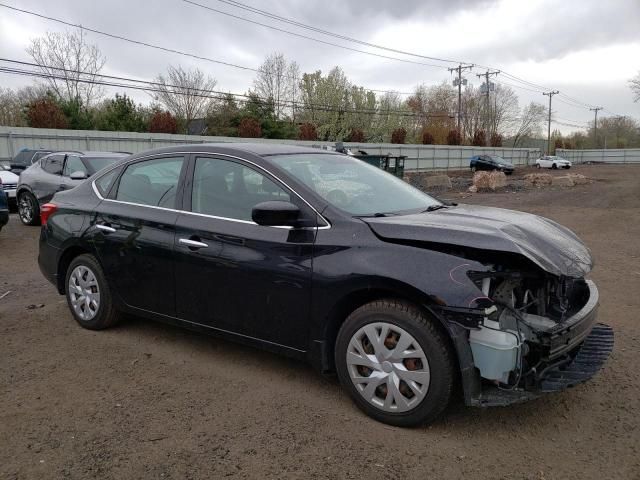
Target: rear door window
(53,164)
(73,164)
(152,182)
(103,184)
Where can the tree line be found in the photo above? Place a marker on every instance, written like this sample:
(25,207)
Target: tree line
(282,103)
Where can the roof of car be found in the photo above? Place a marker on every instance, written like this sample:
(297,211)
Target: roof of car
(261,149)
(91,153)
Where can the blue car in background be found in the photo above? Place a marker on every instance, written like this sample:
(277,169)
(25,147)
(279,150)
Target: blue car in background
(490,162)
(4,208)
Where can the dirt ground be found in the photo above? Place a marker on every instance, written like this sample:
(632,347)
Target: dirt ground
(145,400)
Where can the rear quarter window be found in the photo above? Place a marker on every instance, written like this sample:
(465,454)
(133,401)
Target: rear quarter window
(104,183)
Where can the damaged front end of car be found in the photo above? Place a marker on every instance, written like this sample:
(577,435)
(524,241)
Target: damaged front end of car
(529,332)
(515,298)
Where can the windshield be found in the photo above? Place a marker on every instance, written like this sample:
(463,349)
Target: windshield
(498,159)
(95,164)
(353,185)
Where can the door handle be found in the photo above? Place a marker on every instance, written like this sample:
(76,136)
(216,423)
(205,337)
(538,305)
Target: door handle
(105,228)
(192,243)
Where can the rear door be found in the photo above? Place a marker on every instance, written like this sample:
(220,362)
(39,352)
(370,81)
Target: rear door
(72,164)
(47,179)
(134,230)
(235,275)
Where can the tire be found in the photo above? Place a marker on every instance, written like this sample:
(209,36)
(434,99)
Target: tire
(28,209)
(538,166)
(98,312)
(473,169)
(418,404)
(554,167)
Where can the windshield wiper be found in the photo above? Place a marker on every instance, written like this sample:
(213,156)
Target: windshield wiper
(433,208)
(377,215)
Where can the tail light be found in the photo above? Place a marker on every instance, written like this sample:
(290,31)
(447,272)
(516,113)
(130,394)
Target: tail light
(46,211)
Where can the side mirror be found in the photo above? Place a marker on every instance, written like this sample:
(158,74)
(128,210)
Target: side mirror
(79,175)
(276,214)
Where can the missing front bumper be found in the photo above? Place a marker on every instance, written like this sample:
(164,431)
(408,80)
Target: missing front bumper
(583,363)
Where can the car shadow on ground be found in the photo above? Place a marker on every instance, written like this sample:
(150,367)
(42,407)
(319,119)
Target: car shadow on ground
(245,360)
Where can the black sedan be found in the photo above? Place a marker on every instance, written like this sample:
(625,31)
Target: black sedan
(490,162)
(54,173)
(327,259)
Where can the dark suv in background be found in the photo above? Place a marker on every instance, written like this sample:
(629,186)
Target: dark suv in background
(490,162)
(54,173)
(27,157)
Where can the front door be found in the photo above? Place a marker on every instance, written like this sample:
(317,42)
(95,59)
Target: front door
(134,232)
(235,275)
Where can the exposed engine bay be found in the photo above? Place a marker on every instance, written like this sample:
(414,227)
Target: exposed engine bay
(524,313)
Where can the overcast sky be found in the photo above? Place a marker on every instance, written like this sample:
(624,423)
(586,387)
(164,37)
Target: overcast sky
(587,49)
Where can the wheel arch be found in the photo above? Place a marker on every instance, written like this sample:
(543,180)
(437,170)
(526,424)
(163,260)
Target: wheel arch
(63,265)
(323,348)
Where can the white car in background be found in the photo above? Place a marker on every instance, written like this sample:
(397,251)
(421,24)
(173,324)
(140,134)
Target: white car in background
(553,161)
(8,182)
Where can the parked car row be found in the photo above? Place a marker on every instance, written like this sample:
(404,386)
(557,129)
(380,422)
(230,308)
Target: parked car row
(494,162)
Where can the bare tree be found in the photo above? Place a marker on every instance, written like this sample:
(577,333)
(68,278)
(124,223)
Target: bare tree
(504,111)
(66,59)
(274,82)
(185,93)
(634,83)
(531,119)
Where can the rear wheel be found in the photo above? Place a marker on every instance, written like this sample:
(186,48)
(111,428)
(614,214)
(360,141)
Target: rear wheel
(554,166)
(28,209)
(88,294)
(395,363)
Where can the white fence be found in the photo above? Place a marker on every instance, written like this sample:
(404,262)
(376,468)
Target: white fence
(618,155)
(419,157)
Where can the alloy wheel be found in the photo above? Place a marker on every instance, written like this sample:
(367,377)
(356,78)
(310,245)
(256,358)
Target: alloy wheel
(84,293)
(26,208)
(388,367)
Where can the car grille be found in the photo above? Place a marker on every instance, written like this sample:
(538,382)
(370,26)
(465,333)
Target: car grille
(9,186)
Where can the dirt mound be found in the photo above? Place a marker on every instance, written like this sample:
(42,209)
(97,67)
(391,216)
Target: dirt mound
(538,179)
(579,179)
(489,180)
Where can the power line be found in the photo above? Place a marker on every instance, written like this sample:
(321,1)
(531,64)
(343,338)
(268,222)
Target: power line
(299,35)
(255,10)
(237,4)
(324,32)
(154,46)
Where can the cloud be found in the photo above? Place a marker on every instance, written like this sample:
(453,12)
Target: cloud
(546,41)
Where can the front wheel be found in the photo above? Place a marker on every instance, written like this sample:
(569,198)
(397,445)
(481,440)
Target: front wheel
(554,167)
(28,209)
(88,294)
(538,166)
(473,169)
(395,363)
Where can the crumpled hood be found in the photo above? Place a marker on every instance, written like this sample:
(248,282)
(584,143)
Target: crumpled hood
(548,244)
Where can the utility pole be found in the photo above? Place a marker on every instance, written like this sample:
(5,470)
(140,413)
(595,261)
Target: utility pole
(458,82)
(488,90)
(550,94)
(595,126)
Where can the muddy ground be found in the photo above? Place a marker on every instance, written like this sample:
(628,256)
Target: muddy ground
(145,400)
